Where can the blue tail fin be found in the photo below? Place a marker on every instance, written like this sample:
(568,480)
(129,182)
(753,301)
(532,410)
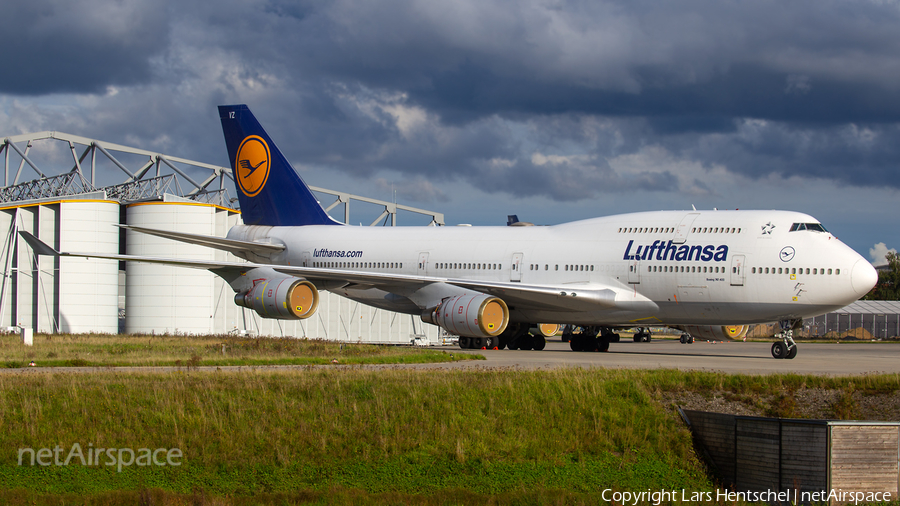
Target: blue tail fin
(269,190)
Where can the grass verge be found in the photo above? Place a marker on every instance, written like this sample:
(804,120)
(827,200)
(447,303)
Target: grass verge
(76,350)
(349,436)
(356,436)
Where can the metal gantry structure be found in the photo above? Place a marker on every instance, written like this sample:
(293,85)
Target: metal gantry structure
(159,174)
(140,184)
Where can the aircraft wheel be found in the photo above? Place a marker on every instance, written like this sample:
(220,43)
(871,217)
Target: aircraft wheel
(592,344)
(491,343)
(637,338)
(792,353)
(464,342)
(683,339)
(779,350)
(648,336)
(575,343)
(690,340)
(538,342)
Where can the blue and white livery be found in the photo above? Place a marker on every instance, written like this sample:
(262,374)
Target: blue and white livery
(489,285)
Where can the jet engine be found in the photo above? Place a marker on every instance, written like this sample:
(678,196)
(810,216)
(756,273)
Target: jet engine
(716,332)
(470,315)
(286,298)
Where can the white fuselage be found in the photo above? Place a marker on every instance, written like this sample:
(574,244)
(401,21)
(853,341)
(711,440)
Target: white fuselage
(679,267)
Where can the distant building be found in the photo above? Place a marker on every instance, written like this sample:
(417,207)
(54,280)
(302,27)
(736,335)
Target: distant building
(879,319)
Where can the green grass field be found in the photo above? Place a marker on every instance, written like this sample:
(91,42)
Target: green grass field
(348,436)
(78,350)
(358,436)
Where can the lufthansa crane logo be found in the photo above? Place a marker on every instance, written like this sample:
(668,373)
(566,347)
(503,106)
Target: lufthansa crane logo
(787,254)
(253,157)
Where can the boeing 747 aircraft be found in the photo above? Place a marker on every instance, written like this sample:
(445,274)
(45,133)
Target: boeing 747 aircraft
(689,269)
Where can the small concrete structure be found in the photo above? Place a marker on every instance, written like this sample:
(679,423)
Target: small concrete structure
(757,454)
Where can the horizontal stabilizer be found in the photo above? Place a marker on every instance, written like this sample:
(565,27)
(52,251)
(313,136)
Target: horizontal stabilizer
(39,246)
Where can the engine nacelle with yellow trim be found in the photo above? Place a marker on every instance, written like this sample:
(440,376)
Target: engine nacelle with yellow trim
(286,298)
(470,315)
(716,332)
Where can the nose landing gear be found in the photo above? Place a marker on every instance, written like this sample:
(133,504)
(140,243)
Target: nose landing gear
(786,348)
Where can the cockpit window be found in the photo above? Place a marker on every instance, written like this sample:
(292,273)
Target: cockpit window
(815,227)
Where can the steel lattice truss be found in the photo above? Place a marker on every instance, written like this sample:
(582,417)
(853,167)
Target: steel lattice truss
(143,183)
(146,182)
(70,183)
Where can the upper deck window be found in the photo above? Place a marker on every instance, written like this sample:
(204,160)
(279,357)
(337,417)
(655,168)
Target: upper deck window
(815,227)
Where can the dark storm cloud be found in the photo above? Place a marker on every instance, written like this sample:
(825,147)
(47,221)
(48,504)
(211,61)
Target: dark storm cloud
(479,91)
(798,61)
(60,46)
(862,155)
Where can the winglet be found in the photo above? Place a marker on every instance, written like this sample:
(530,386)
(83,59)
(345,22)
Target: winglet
(39,246)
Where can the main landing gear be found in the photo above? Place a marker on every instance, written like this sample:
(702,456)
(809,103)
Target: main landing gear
(686,338)
(642,335)
(515,337)
(786,348)
(589,338)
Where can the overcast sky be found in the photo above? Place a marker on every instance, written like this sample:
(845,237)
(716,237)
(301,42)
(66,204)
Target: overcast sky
(552,110)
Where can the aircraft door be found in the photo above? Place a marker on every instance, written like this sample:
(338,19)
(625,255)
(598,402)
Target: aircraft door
(306,259)
(684,228)
(423,264)
(737,270)
(515,272)
(634,271)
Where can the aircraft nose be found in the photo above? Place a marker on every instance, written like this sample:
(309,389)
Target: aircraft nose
(863,277)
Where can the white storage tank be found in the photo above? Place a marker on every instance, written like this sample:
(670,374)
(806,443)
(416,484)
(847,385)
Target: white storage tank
(66,294)
(162,298)
(88,287)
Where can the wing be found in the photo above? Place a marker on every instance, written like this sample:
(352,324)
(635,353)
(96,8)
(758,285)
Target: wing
(230,245)
(576,297)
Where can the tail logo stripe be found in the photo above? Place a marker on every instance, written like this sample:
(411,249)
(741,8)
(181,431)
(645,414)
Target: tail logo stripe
(252,163)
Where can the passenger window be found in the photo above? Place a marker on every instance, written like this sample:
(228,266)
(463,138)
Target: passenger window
(829,272)
(837,272)
(807,270)
(753,271)
(814,271)
(767,270)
